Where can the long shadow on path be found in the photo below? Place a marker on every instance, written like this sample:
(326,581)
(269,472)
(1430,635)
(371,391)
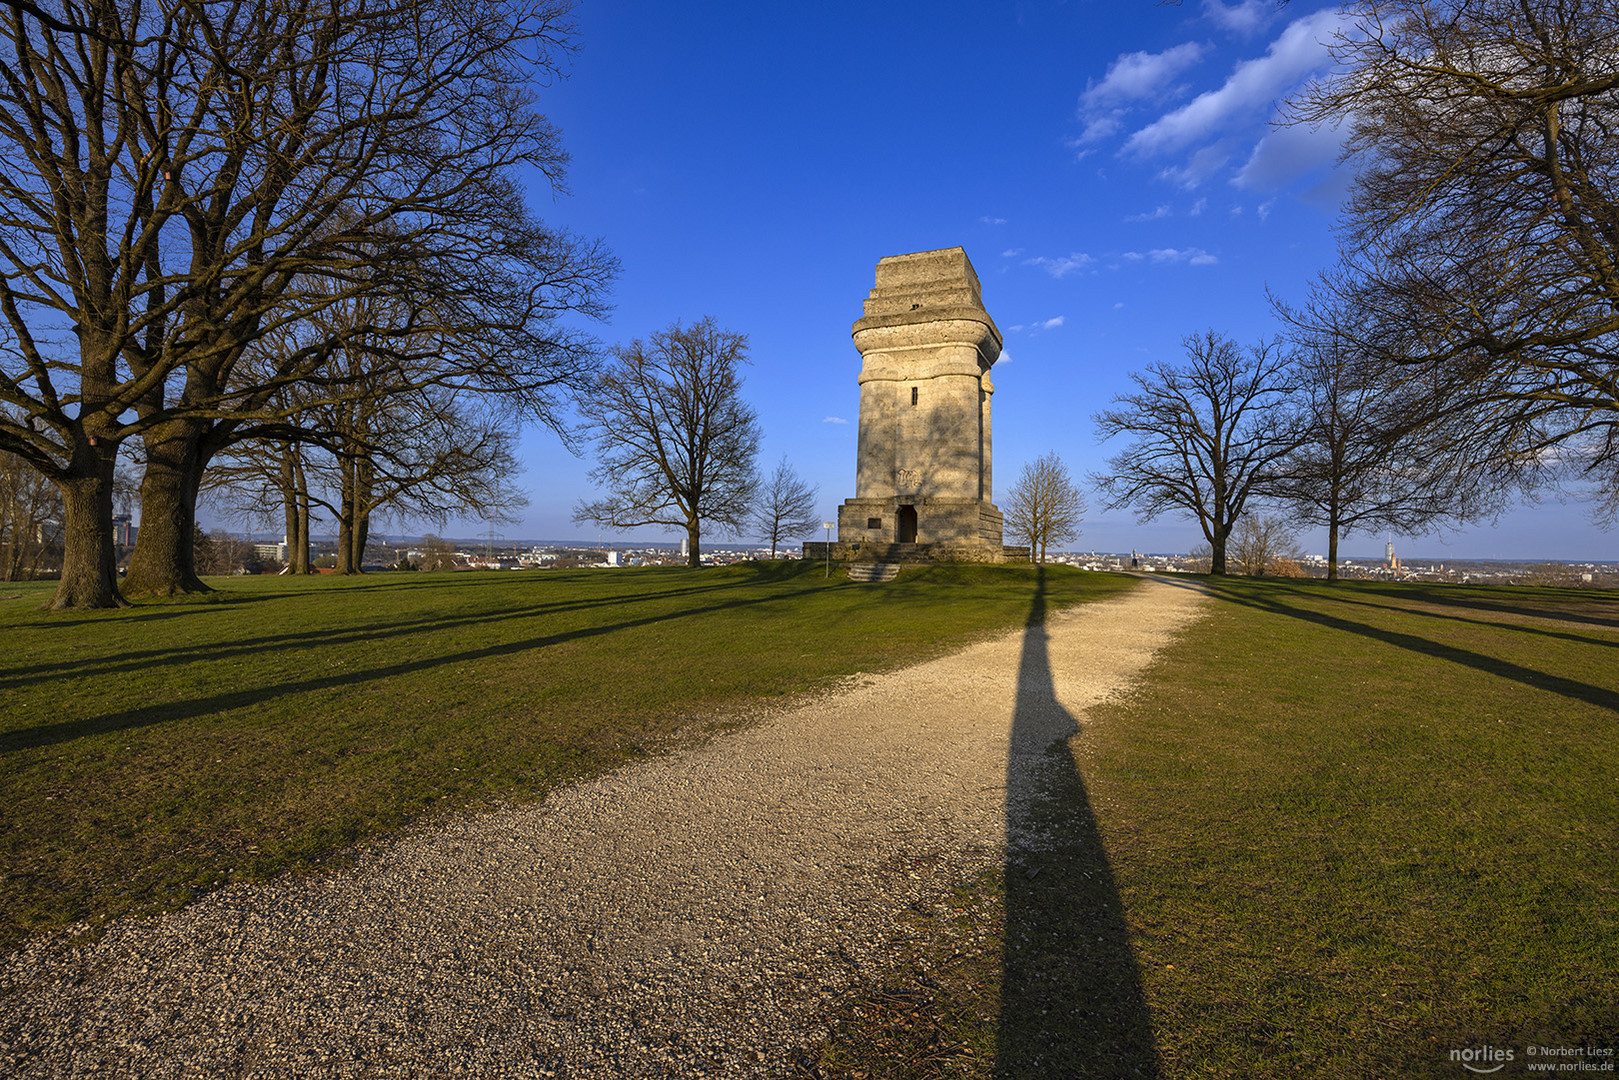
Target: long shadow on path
(1072,1003)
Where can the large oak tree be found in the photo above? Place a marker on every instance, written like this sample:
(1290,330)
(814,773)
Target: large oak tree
(176,177)
(1481,234)
(675,442)
(1205,437)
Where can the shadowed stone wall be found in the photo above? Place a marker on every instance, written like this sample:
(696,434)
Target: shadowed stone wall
(815,551)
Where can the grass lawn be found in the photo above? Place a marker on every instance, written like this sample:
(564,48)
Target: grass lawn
(151,754)
(1337,831)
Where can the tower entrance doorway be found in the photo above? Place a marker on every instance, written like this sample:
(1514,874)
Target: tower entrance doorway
(907,524)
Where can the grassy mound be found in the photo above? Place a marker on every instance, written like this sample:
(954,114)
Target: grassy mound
(151,754)
(1337,831)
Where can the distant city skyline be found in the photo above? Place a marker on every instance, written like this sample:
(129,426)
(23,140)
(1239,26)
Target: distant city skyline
(1114,171)
(505,542)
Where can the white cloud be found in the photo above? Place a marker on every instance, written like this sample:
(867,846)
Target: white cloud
(1139,75)
(834,420)
(1243,17)
(1190,256)
(1011,253)
(1288,153)
(1161,212)
(1198,168)
(1098,128)
(1035,328)
(1004,358)
(1250,88)
(1060,267)
(1197,208)
(1264,209)
(993,220)
(1118,306)
(1132,78)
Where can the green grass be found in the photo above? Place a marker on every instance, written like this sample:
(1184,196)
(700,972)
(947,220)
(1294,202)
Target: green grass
(1338,831)
(152,754)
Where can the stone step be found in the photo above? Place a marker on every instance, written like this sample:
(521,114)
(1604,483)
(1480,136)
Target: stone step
(873,571)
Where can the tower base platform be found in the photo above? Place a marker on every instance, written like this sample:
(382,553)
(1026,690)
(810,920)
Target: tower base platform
(870,551)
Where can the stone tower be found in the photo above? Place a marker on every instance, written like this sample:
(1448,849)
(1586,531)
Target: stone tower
(923,474)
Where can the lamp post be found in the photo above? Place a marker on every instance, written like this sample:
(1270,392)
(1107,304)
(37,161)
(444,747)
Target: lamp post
(827,525)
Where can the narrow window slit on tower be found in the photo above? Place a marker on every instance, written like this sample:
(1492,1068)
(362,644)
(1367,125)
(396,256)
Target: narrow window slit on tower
(913,395)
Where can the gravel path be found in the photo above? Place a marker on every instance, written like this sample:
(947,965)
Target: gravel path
(688,915)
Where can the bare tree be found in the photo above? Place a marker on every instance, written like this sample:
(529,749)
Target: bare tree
(786,507)
(1377,449)
(30,519)
(1557,574)
(1265,544)
(175,177)
(220,553)
(1044,506)
(437,553)
(1479,237)
(675,442)
(1207,436)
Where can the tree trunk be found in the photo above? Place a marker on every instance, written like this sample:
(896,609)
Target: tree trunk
(354,512)
(287,482)
(362,536)
(364,478)
(164,562)
(301,563)
(693,559)
(1332,551)
(89,558)
(1217,551)
(345,515)
(298,559)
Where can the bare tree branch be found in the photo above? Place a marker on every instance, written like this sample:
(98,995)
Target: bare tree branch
(1044,506)
(786,507)
(1481,236)
(675,443)
(1206,436)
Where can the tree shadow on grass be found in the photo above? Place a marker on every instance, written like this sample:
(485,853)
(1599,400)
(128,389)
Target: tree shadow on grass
(1286,601)
(1072,1003)
(371,633)
(190,708)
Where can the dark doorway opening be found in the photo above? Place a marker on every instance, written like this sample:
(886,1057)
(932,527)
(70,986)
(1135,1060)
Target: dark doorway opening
(907,524)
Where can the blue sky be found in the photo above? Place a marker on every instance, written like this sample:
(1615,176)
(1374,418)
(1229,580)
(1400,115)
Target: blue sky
(1112,170)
